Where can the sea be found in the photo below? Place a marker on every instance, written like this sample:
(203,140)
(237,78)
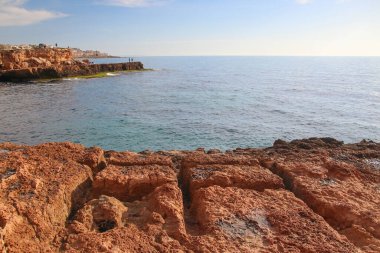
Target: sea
(190,102)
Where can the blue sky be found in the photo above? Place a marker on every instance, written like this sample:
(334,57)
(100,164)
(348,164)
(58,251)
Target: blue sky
(197,27)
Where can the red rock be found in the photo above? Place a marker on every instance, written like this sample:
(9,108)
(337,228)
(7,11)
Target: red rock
(39,191)
(245,177)
(339,186)
(314,195)
(241,220)
(157,216)
(125,239)
(44,63)
(132,182)
(99,215)
(131,158)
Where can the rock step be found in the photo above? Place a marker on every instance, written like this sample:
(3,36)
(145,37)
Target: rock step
(303,196)
(62,71)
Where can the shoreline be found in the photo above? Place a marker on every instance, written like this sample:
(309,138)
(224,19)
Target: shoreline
(98,57)
(314,194)
(68,71)
(94,76)
(53,63)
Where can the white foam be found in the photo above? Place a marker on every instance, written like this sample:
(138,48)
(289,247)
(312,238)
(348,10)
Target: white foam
(70,79)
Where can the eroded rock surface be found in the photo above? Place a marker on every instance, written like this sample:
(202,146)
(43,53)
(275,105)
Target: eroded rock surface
(205,170)
(341,184)
(49,63)
(242,220)
(315,195)
(37,57)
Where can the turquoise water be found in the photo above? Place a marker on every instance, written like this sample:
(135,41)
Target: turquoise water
(190,102)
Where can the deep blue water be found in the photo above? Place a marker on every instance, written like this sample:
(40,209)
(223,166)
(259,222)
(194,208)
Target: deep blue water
(190,102)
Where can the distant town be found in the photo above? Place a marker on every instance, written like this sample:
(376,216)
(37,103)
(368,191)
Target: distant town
(77,53)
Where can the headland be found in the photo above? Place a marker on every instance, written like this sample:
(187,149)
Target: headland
(41,62)
(313,195)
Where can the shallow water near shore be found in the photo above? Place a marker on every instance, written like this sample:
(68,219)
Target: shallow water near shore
(190,102)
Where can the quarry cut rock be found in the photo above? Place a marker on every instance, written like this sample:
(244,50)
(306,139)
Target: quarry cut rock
(314,195)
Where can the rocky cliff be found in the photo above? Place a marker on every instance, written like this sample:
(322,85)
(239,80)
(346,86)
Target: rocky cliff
(314,195)
(40,63)
(38,57)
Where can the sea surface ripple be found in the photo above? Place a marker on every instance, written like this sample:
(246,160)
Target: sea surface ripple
(190,102)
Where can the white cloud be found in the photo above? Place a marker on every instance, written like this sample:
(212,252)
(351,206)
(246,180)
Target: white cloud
(13,13)
(133,3)
(304,1)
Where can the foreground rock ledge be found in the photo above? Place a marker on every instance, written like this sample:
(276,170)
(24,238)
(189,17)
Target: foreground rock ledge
(315,195)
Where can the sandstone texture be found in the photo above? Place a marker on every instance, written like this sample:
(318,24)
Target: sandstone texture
(44,63)
(314,195)
(38,57)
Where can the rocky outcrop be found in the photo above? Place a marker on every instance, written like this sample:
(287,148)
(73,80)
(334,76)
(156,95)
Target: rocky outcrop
(315,195)
(341,184)
(73,70)
(49,63)
(38,57)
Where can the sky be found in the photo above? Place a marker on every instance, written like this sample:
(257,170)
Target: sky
(197,27)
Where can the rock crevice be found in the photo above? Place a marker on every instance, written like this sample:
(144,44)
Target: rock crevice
(314,195)
(336,183)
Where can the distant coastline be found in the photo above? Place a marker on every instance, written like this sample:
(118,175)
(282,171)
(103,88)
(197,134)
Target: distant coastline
(85,54)
(34,62)
(98,57)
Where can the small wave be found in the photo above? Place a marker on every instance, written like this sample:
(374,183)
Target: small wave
(70,79)
(278,111)
(112,74)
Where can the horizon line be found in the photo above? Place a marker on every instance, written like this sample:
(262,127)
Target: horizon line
(124,56)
